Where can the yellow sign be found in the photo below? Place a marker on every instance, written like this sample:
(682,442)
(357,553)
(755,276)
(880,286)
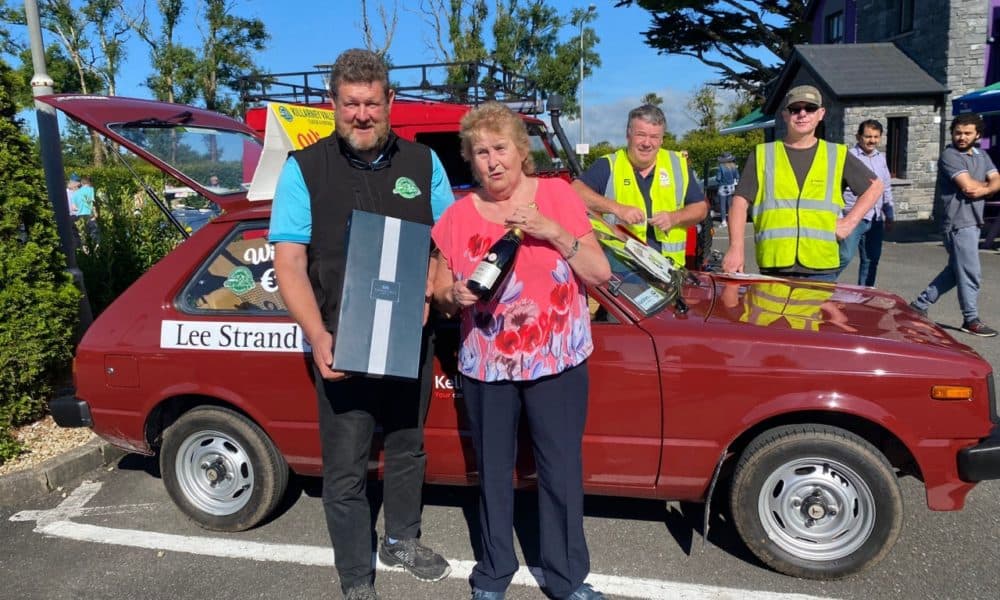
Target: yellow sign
(287,127)
(303,125)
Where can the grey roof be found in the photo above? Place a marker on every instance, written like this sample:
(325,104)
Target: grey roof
(859,71)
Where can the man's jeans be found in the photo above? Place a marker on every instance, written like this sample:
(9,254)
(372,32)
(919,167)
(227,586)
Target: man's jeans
(849,245)
(962,271)
(869,253)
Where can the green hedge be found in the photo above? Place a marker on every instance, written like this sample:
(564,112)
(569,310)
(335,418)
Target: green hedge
(133,234)
(38,300)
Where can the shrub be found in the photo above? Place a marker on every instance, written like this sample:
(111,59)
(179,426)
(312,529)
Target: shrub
(38,300)
(133,233)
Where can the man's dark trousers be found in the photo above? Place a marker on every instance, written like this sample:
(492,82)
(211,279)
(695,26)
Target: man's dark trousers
(348,412)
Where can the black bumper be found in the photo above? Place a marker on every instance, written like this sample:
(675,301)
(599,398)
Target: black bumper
(69,411)
(982,461)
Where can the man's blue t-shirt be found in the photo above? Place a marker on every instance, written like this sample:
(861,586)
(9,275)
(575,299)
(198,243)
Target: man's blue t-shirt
(291,215)
(83,199)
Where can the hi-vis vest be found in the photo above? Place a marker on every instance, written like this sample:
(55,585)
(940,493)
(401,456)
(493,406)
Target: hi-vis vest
(670,182)
(793,225)
(766,303)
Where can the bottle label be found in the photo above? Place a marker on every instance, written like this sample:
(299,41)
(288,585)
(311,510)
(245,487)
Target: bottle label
(486,274)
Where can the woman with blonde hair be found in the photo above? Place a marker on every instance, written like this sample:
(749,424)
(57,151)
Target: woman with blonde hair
(526,349)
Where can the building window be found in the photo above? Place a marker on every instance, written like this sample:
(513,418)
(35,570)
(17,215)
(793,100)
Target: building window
(895,146)
(905,16)
(834,28)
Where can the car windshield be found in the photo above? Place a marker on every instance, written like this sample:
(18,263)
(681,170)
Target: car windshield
(220,161)
(544,161)
(636,283)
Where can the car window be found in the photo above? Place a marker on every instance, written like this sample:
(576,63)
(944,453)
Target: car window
(237,278)
(214,158)
(448,146)
(631,281)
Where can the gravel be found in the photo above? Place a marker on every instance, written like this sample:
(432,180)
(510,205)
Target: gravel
(43,440)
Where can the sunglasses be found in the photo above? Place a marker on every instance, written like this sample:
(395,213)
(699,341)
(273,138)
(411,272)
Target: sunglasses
(809,108)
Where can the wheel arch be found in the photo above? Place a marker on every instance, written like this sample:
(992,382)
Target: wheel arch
(166,413)
(887,442)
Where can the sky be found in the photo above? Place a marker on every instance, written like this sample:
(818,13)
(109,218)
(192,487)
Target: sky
(309,33)
(304,37)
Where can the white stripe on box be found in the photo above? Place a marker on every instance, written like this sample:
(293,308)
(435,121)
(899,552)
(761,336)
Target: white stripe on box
(378,352)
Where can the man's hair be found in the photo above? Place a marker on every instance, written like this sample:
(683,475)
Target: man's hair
(358,65)
(648,113)
(498,119)
(869,124)
(968,119)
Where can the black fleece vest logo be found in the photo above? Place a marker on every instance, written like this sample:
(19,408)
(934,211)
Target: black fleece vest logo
(337,187)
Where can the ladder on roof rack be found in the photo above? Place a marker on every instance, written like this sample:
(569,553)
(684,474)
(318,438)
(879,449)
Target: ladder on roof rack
(456,82)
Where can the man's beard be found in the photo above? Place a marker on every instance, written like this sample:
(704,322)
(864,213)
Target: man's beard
(367,144)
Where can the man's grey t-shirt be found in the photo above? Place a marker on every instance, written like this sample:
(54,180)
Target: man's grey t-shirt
(952,208)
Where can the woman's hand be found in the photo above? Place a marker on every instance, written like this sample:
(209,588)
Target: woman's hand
(529,220)
(461,295)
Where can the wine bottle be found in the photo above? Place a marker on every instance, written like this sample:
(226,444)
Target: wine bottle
(491,272)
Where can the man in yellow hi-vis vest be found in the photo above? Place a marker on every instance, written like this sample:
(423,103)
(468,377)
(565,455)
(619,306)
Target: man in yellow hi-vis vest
(794,188)
(651,190)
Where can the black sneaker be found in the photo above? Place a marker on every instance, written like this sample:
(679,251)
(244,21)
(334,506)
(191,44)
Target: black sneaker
(922,311)
(365,591)
(422,562)
(977,327)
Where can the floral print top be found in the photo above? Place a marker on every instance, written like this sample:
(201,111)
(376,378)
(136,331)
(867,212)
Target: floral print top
(538,324)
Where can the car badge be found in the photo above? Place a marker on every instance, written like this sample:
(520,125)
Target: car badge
(240,281)
(406,188)
(664,177)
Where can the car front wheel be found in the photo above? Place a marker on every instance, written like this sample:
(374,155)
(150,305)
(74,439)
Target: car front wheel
(221,469)
(816,501)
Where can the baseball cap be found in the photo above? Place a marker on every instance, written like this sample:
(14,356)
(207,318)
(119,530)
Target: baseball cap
(74,177)
(803,93)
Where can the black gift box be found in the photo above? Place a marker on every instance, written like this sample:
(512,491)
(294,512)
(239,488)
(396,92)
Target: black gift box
(382,305)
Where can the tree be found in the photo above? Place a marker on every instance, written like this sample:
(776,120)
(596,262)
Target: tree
(228,44)
(388,21)
(652,99)
(38,300)
(112,33)
(724,35)
(705,105)
(175,66)
(525,41)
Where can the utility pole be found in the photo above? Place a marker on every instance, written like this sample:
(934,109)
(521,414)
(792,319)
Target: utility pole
(579,89)
(52,164)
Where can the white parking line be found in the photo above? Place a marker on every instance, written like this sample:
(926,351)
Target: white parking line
(56,523)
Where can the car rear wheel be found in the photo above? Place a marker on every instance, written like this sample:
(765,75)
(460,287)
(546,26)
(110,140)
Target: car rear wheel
(816,501)
(221,469)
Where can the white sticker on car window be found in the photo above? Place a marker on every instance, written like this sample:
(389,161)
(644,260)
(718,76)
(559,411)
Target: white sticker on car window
(236,336)
(649,299)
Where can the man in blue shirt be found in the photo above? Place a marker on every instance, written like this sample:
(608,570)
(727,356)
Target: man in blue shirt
(363,165)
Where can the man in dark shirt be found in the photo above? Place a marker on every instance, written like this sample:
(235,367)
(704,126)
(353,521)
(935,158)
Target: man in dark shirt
(966,175)
(796,205)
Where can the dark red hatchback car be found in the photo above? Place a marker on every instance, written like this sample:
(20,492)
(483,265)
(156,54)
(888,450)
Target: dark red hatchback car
(807,399)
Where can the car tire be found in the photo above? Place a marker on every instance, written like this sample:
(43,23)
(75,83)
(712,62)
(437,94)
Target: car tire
(815,501)
(221,469)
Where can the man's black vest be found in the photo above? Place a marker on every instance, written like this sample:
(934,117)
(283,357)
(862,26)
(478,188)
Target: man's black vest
(338,183)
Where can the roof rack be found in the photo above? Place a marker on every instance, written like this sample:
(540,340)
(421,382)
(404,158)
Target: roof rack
(453,82)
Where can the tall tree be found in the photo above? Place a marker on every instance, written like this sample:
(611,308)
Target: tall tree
(705,105)
(175,66)
(725,35)
(228,44)
(388,21)
(525,40)
(112,33)
(653,99)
